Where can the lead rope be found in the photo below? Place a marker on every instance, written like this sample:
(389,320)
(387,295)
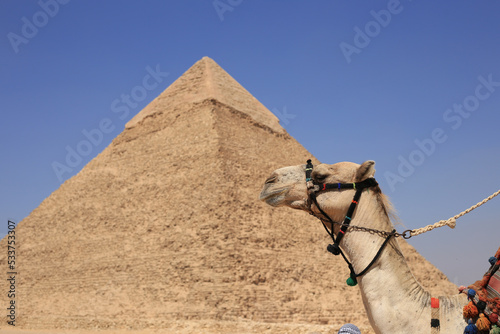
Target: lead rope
(451,222)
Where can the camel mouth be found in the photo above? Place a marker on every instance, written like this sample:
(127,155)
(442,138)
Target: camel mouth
(273,198)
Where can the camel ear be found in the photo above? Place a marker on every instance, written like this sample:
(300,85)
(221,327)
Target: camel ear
(366,170)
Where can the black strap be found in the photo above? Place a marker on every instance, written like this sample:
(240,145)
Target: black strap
(370,182)
(348,216)
(309,169)
(367,183)
(335,248)
(312,197)
(377,255)
(330,233)
(359,186)
(353,274)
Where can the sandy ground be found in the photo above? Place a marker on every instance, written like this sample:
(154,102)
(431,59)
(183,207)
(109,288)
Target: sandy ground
(203,327)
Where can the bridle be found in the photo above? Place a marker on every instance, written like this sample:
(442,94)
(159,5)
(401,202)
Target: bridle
(313,189)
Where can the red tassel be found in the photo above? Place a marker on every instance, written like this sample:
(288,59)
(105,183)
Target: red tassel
(493,318)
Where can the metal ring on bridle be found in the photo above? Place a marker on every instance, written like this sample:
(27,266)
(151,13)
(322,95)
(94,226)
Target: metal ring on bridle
(407,234)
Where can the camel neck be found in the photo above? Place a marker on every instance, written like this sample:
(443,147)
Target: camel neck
(388,286)
(394,300)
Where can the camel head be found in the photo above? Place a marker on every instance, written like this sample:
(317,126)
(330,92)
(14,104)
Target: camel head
(287,186)
(385,280)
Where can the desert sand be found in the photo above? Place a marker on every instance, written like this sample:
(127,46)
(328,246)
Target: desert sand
(206,327)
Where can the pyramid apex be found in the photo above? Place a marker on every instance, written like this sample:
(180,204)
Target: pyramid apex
(208,60)
(207,80)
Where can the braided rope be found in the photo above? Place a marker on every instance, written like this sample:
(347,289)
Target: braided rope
(451,222)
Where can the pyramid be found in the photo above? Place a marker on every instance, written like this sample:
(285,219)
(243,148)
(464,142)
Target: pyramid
(165,225)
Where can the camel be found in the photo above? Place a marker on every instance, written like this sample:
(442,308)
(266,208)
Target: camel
(394,300)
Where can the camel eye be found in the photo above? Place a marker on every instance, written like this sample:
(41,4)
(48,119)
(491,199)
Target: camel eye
(320,178)
(272,179)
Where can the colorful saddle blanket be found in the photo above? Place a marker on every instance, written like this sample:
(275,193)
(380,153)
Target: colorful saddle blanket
(485,295)
(493,287)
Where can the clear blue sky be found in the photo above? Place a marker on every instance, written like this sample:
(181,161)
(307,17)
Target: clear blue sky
(413,85)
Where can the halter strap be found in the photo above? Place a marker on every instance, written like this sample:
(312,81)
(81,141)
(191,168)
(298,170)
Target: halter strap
(367,183)
(334,248)
(352,280)
(313,188)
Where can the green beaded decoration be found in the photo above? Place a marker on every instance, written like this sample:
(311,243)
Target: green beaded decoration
(352,281)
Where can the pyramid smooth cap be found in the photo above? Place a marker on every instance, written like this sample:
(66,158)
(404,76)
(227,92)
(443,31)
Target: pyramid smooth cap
(207,80)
